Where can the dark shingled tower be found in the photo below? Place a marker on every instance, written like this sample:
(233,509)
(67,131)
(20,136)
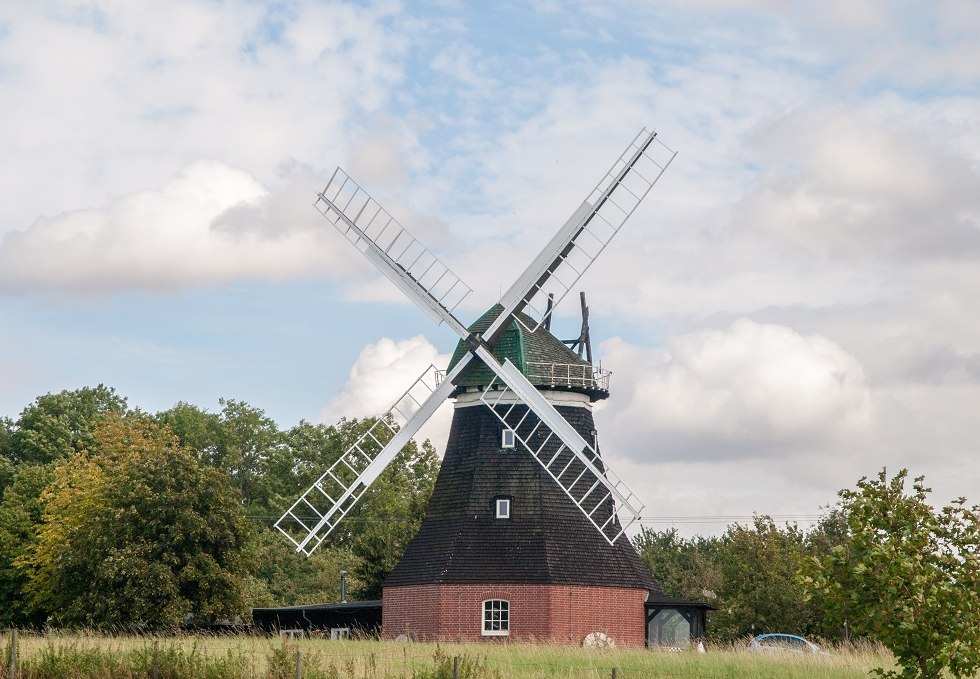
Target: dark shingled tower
(560,577)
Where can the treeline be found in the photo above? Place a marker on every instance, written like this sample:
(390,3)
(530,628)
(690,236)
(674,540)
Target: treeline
(751,573)
(110,516)
(113,517)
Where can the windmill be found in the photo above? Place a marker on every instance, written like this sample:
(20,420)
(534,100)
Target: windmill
(522,446)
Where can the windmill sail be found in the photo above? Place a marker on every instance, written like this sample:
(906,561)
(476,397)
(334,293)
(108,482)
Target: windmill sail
(318,511)
(568,459)
(396,252)
(558,267)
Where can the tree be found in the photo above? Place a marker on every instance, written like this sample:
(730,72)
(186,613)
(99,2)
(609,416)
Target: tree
(20,518)
(57,425)
(760,591)
(136,532)
(239,441)
(906,575)
(684,568)
(6,453)
(284,577)
(391,513)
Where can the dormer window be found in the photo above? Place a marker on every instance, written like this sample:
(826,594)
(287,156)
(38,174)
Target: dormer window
(508,438)
(502,507)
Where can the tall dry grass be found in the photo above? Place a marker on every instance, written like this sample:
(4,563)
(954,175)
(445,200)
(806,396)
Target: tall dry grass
(95,656)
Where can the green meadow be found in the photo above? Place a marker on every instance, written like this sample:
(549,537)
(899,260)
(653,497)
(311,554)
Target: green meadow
(86,656)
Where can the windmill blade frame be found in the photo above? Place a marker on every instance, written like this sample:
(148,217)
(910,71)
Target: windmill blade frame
(567,256)
(422,276)
(579,473)
(324,504)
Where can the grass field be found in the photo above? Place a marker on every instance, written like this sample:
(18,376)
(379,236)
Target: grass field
(125,657)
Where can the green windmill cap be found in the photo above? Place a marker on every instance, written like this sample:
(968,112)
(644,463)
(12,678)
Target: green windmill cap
(542,358)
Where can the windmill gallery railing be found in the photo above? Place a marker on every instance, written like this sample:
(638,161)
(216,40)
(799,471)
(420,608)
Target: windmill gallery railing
(563,375)
(570,375)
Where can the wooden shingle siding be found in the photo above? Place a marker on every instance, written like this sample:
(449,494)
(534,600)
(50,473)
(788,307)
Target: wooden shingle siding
(547,540)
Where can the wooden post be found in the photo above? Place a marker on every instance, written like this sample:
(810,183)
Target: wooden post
(455,667)
(155,667)
(13,654)
(614,673)
(299,664)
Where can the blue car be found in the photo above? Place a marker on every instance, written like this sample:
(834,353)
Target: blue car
(783,643)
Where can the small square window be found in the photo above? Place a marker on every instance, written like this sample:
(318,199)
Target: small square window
(503,507)
(507,438)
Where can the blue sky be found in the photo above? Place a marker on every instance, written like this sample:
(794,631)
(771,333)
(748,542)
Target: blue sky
(791,308)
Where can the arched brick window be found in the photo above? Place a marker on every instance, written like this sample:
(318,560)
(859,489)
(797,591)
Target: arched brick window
(496,618)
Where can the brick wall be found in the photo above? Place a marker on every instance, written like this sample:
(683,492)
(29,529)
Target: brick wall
(556,613)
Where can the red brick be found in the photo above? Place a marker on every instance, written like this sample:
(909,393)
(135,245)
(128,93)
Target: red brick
(562,614)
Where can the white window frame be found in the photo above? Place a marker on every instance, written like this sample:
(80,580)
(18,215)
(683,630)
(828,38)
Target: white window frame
(501,506)
(502,623)
(508,438)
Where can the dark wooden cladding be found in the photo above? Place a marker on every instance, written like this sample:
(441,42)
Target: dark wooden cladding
(547,539)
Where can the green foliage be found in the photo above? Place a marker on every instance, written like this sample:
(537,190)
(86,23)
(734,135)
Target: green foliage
(138,533)
(20,518)
(391,513)
(467,667)
(749,573)
(283,577)
(686,569)
(239,442)
(6,453)
(759,564)
(57,425)
(907,575)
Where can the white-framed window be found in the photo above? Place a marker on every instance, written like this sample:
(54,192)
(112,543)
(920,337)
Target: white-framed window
(502,507)
(507,438)
(496,618)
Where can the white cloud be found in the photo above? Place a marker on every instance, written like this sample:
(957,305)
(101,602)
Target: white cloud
(208,224)
(382,373)
(857,184)
(751,390)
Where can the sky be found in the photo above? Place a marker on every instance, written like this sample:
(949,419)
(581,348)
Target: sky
(793,307)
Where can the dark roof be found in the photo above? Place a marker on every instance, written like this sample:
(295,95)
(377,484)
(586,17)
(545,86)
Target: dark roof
(349,606)
(547,540)
(658,599)
(522,347)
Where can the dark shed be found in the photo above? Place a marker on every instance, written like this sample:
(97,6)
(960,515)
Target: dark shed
(357,617)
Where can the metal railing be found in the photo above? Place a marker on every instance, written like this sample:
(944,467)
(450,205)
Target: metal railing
(559,375)
(570,375)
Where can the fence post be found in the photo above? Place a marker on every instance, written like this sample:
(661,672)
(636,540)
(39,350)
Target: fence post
(13,654)
(614,673)
(155,667)
(455,667)
(299,664)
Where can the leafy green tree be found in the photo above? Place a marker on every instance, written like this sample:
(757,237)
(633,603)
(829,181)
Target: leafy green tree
(391,513)
(136,532)
(6,453)
(284,577)
(57,425)
(759,590)
(195,428)
(239,441)
(907,575)
(684,568)
(377,531)
(20,519)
